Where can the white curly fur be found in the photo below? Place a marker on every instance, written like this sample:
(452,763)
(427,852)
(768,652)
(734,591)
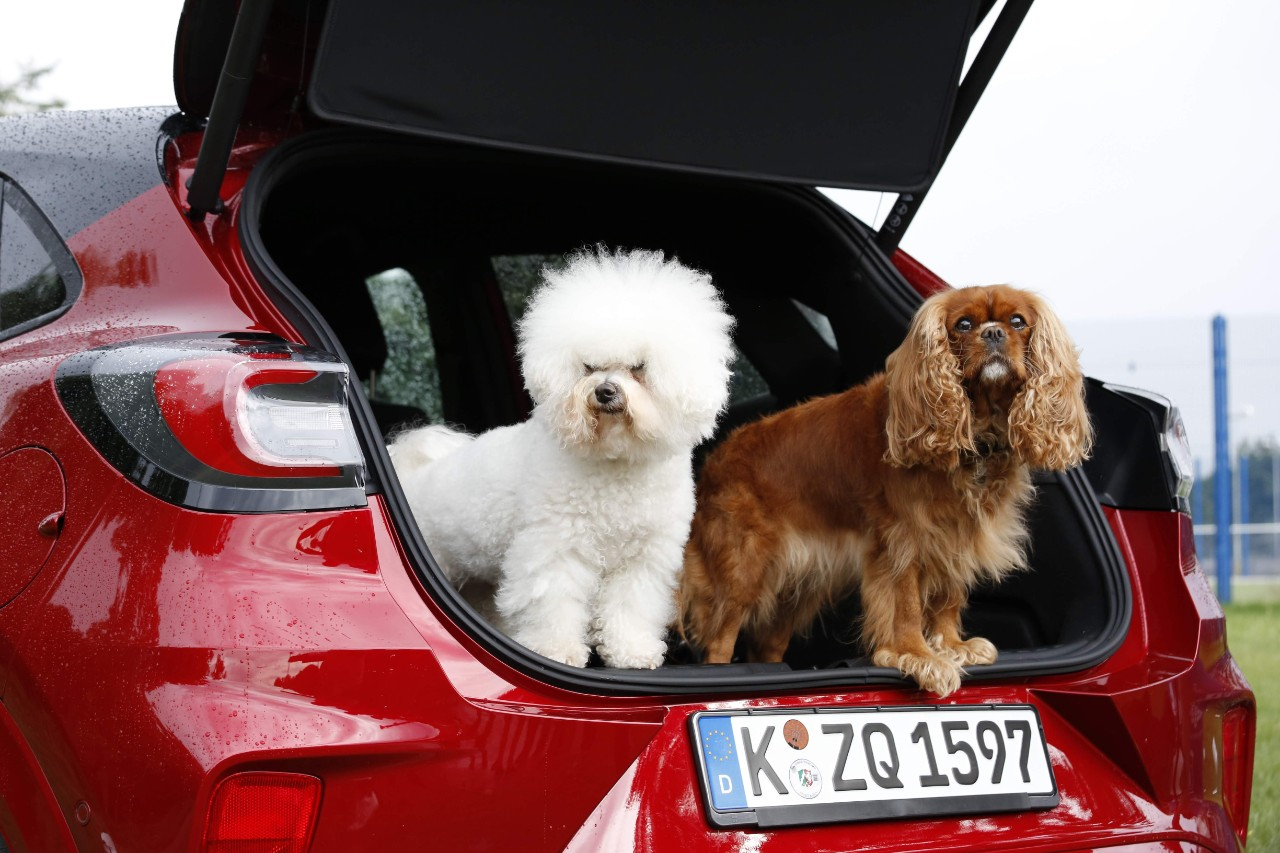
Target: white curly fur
(578,516)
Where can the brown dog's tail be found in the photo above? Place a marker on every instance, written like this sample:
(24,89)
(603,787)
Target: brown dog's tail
(685,628)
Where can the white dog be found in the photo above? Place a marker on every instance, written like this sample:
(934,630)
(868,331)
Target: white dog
(578,516)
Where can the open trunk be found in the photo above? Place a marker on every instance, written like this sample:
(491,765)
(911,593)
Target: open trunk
(418,277)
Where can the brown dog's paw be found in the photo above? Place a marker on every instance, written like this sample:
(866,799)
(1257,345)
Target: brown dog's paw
(962,654)
(934,673)
(977,650)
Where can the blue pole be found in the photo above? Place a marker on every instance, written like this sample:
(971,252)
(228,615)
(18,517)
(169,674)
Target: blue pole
(1242,471)
(1222,461)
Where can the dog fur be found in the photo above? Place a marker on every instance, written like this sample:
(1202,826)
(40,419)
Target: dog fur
(577,518)
(910,488)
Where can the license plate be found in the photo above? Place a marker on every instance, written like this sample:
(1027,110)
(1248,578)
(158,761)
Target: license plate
(799,766)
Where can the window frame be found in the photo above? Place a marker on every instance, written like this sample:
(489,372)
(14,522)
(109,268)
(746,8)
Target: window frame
(15,199)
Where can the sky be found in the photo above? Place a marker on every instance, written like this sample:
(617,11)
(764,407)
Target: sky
(1122,164)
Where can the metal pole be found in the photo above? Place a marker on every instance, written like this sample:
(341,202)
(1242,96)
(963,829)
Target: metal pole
(1242,541)
(1222,461)
(1275,507)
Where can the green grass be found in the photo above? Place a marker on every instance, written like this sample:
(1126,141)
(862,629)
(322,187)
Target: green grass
(1253,633)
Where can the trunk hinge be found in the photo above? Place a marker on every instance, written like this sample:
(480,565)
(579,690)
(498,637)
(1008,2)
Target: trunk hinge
(227,108)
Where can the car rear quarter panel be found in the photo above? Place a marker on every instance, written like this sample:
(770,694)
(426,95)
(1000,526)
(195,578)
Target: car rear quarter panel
(161,648)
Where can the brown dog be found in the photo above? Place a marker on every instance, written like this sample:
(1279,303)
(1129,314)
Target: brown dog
(913,485)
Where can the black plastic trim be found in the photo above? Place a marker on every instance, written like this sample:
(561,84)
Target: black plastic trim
(171,128)
(1130,467)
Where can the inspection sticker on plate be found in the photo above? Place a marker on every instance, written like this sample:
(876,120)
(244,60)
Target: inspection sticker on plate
(798,766)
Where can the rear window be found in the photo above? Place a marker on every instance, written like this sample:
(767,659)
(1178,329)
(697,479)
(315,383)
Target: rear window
(410,378)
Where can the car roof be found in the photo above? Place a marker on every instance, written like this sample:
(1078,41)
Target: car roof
(815,92)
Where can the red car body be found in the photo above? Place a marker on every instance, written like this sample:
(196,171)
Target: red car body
(151,654)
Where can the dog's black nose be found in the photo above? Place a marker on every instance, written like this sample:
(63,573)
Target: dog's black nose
(606,393)
(993,335)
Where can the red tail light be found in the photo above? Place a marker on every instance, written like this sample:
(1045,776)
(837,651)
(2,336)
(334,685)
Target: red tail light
(1187,544)
(220,409)
(1237,766)
(261,812)
(241,423)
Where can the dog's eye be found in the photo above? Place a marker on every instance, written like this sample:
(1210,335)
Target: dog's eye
(588,369)
(964,324)
(1017,322)
(637,368)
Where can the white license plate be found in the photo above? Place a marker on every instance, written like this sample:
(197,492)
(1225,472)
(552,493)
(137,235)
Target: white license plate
(798,766)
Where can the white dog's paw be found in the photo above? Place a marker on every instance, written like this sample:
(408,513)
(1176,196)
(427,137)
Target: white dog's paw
(633,654)
(562,651)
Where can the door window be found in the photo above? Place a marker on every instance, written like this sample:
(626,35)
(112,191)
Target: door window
(38,277)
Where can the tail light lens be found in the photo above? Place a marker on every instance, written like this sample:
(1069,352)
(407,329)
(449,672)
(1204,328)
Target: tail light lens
(1178,448)
(234,424)
(262,812)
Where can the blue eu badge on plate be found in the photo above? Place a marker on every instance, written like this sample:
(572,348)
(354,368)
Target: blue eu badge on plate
(720,755)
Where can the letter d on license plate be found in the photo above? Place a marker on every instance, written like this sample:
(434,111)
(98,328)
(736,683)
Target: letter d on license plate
(788,767)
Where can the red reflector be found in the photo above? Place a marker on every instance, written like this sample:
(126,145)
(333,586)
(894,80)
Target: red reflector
(1187,544)
(1237,766)
(262,812)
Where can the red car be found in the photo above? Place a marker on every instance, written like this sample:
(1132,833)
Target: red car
(221,629)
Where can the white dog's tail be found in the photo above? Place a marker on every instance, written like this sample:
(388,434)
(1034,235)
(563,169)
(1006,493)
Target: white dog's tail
(420,447)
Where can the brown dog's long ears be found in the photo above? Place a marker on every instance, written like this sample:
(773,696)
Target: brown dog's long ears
(1048,423)
(929,421)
